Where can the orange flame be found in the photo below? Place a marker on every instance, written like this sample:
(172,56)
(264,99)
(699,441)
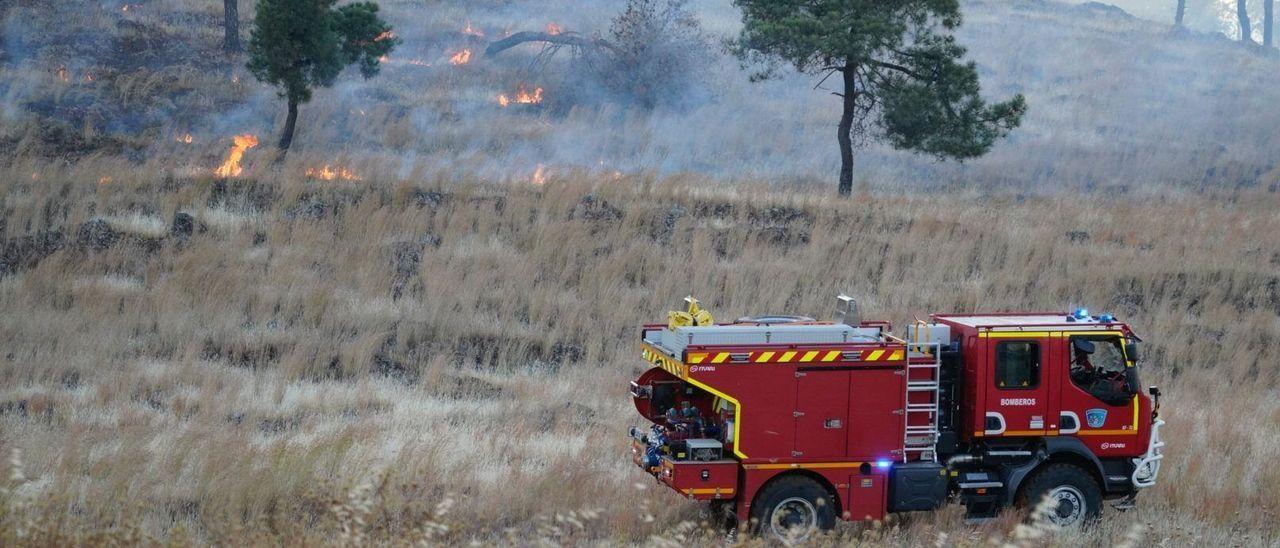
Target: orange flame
(385,35)
(522,96)
(184,138)
(461,58)
(331,173)
(472,31)
(553,28)
(539,175)
(231,167)
(62,73)
(104,180)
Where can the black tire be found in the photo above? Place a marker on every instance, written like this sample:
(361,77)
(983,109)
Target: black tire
(1075,498)
(793,503)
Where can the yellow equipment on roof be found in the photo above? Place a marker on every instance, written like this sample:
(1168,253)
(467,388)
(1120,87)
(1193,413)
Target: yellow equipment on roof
(695,315)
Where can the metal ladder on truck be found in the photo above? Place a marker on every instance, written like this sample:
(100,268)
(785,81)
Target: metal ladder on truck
(924,370)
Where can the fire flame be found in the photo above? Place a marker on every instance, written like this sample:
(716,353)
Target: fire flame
(461,58)
(104,180)
(539,175)
(62,73)
(231,167)
(330,173)
(553,28)
(522,96)
(385,35)
(472,31)
(413,62)
(184,138)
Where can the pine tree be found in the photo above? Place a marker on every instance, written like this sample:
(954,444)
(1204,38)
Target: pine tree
(299,45)
(901,71)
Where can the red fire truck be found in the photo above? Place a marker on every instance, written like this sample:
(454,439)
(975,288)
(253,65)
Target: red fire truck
(786,423)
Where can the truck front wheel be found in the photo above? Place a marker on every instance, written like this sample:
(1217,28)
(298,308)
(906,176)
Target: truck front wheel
(792,508)
(1064,494)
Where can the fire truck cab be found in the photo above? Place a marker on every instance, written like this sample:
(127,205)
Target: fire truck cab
(787,423)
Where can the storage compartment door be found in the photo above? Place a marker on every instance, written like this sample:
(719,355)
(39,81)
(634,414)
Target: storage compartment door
(866,497)
(822,410)
(875,414)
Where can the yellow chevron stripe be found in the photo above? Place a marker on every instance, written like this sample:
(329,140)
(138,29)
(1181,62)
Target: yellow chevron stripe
(786,357)
(764,357)
(831,356)
(721,357)
(895,356)
(808,356)
(697,358)
(874,355)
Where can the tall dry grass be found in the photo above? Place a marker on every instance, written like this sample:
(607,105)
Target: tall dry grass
(348,358)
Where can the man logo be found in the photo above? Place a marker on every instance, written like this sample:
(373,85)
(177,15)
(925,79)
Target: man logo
(1096,417)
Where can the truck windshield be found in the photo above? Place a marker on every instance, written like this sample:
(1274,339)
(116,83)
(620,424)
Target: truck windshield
(1098,367)
(1108,357)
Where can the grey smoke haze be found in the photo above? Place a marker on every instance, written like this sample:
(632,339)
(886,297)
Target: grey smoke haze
(1115,100)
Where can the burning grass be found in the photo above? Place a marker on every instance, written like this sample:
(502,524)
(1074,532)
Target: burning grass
(279,377)
(522,96)
(239,145)
(332,173)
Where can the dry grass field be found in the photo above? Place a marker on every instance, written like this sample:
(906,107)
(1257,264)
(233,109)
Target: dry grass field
(445,359)
(418,328)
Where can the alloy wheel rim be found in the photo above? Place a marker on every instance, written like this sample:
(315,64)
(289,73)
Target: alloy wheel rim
(793,520)
(1066,506)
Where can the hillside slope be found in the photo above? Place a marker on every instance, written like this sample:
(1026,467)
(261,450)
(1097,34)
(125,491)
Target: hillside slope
(1116,101)
(266,361)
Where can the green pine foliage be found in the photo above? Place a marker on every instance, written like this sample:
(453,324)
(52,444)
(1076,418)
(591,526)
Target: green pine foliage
(300,45)
(905,76)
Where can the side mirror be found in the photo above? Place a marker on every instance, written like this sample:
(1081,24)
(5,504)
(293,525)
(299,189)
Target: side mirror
(1131,384)
(1131,350)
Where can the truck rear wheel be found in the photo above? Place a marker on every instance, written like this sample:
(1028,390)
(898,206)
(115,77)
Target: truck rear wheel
(791,509)
(1074,497)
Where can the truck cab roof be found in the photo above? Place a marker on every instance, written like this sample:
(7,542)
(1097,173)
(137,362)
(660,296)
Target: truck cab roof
(1016,321)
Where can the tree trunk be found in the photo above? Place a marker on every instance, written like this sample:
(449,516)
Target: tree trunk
(231,26)
(286,138)
(1242,12)
(844,130)
(1178,15)
(1268,6)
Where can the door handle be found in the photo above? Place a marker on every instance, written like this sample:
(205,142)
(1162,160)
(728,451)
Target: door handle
(833,424)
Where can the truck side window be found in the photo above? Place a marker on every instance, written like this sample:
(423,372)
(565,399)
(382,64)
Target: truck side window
(1017,364)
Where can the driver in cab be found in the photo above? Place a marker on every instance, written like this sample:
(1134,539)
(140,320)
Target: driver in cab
(1102,383)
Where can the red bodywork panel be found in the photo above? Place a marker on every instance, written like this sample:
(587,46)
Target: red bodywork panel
(702,480)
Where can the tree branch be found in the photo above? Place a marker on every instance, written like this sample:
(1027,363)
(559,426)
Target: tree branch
(899,68)
(563,38)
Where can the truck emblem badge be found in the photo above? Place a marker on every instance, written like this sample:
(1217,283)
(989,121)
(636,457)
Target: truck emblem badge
(1096,417)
